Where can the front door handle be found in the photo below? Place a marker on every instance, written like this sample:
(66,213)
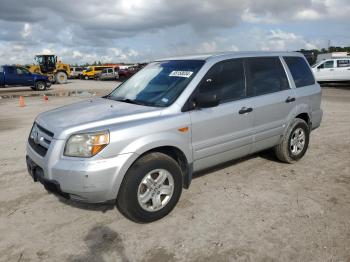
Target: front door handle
(290,99)
(245,110)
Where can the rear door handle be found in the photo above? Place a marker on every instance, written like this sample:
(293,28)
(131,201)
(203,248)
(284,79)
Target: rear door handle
(290,99)
(245,110)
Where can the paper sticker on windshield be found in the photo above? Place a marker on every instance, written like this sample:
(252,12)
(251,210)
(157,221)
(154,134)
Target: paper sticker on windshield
(186,74)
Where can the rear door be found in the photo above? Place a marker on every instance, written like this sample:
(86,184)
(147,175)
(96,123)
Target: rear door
(272,99)
(342,70)
(223,132)
(308,92)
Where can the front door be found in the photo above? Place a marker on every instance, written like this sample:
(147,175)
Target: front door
(325,71)
(24,77)
(223,132)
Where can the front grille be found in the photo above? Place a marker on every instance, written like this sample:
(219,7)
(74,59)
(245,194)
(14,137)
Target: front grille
(40,139)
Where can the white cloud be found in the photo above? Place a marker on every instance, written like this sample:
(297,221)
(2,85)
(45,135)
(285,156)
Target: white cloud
(27,30)
(278,40)
(133,30)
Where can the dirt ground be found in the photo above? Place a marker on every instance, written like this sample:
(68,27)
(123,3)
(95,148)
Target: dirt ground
(254,209)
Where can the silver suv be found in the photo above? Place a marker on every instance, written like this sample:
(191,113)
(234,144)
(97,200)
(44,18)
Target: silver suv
(109,74)
(140,144)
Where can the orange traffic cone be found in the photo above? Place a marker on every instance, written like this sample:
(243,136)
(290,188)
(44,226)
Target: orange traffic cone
(21,101)
(46,98)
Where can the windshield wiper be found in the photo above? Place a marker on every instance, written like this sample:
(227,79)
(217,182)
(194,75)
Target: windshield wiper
(127,100)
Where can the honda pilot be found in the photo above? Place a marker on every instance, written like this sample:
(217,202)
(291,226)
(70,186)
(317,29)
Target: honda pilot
(140,145)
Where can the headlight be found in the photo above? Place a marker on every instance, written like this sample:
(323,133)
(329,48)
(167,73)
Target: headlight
(86,145)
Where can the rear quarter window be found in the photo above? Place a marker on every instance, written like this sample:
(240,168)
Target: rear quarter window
(300,71)
(343,63)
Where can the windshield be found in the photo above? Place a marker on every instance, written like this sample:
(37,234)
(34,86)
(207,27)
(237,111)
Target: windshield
(158,84)
(89,69)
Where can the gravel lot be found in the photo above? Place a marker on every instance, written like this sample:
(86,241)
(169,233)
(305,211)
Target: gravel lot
(254,209)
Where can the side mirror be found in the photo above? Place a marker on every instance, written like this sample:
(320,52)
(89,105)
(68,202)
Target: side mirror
(206,100)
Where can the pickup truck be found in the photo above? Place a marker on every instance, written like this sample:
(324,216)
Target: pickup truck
(20,76)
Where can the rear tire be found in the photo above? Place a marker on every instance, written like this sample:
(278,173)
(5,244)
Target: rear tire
(40,86)
(294,142)
(61,78)
(150,189)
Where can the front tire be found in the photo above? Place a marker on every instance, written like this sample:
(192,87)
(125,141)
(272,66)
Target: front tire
(40,86)
(294,143)
(61,78)
(151,188)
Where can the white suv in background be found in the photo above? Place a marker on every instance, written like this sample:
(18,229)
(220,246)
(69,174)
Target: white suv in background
(337,69)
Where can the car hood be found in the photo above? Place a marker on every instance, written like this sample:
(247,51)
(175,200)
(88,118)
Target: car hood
(92,114)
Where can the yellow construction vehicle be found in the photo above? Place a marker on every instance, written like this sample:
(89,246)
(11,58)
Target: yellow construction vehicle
(49,66)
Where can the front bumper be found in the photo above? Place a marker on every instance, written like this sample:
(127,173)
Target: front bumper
(86,180)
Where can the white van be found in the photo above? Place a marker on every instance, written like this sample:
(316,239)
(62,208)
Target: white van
(337,69)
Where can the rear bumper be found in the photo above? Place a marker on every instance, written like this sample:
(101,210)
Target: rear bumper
(316,118)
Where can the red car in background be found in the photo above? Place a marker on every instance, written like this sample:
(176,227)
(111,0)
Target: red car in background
(126,73)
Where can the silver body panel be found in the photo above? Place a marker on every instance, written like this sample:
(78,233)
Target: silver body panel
(215,135)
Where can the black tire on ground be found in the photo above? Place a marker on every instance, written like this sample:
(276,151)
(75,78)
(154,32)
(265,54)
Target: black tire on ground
(283,151)
(61,78)
(40,86)
(127,200)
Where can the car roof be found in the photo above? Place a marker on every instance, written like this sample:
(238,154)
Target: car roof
(228,55)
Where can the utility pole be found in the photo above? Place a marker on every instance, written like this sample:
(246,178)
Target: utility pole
(329,44)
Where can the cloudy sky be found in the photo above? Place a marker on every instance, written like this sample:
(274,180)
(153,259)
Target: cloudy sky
(140,30)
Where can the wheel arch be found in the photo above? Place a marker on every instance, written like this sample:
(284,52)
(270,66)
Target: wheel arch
(306,117)
(179,156)
(170,150)
(61,70)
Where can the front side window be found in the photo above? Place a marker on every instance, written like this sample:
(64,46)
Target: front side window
(21,71)
(265,75)
(226,80)
(327,64)
(158,84)
(300,71)
(343,63)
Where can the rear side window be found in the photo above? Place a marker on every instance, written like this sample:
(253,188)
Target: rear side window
(226,79)
(265,75)
(343,63)
(300,71)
